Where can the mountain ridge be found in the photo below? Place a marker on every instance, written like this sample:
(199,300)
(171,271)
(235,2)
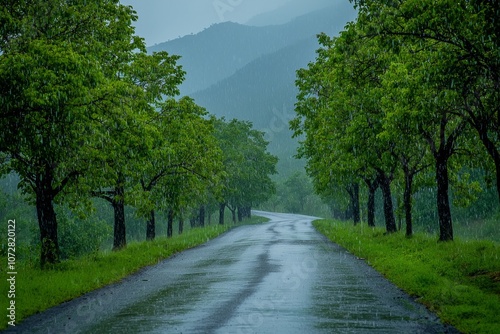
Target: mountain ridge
(222,49)
(248,73)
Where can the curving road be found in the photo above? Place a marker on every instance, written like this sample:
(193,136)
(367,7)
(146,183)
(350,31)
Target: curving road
(279,277)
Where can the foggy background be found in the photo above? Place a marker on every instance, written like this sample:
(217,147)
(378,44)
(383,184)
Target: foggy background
(164,20)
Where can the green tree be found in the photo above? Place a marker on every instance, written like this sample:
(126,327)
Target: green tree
(298,188)
(419,95)
(247,167)
(377,104)
(54,60)
(125,136)
(185,161)
(339,111)
(468,33)
(117,158)
(326,164)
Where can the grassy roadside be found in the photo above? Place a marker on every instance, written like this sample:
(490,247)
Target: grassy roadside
(38,290)
(460,281)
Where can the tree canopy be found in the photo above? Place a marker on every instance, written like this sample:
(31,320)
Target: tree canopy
(87,112)
(248,166)
(410,86)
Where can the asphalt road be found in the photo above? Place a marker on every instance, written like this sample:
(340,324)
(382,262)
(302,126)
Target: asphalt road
(279,277)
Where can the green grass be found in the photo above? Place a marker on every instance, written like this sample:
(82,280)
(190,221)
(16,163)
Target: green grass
(479,229)
(38,290)
(459,280)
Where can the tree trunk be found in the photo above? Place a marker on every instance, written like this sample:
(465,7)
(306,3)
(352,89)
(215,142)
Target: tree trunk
(202,216)
(247,212)
(385,186)
(120,234)
(240,214)
(407,202)
(443,202)
(120,239)
(151,226)
(353,191)
(222,209)
(47,223)
(372,188)
(496,158)
(181,225)
(492,150)
(233,215)
(399,216)
(170,223)
(371,207)
(356,216)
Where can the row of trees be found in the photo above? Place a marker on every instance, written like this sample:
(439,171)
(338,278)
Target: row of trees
(411,87)
(86,112)
(295,194)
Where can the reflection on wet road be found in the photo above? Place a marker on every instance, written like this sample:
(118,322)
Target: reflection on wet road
(279,277)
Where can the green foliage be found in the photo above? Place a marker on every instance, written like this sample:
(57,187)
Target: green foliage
(84,116)
(298,186)
(127,137)
(466,191)
(399,92)
(59,66)
(457,280)
(247,164)
(452,45)
(185,162)
(78,238)
(296,194)
(13,206)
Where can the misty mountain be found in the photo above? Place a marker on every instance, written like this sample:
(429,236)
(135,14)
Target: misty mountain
(289,11)
(265,85)
(249,73)
(219,51)
(264,93)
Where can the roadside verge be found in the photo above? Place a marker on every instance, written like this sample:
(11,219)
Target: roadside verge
(459,281)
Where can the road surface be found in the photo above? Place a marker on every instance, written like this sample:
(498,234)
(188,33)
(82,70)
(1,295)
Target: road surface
(279,277)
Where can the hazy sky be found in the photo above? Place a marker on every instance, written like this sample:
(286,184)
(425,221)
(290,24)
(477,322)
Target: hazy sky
(163,20)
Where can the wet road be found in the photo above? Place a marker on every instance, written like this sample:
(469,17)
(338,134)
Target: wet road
(279,277)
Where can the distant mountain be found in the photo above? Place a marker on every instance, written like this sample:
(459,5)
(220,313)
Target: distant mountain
(219,51)
(264,93)
(289,11)
(249,73)
(264,90)
(264,86)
